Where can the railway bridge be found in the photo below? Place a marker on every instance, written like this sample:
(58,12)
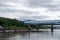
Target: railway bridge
(43,22)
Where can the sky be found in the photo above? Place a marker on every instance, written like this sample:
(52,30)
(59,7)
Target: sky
(30,9)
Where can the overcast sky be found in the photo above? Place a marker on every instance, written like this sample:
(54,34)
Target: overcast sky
(30,9)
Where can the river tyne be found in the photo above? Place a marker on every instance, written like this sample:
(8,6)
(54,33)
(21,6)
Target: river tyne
(47,35)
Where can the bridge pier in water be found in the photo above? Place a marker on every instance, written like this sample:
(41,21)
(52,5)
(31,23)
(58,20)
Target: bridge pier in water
(29,27)
(52,28)
(37,27)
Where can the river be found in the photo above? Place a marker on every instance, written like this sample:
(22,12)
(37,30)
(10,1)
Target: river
(47,35)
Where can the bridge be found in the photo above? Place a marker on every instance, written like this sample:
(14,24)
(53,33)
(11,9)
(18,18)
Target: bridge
(43,22)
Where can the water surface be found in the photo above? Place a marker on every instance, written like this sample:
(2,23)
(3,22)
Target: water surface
(31,35)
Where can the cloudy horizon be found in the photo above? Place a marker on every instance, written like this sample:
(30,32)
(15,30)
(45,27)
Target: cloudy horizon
(30,9)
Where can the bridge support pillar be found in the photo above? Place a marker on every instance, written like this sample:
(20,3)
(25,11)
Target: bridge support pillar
(29,27)
(51,28)
(37,27)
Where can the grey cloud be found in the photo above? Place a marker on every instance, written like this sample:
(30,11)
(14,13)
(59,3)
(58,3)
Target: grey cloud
(58,16)
(39,3)
(2,3)
(36,3)
(3,9)
(43,3)
(30,3)
(33,17)
(54,8)
(4,0)
(40,17)
(8,10)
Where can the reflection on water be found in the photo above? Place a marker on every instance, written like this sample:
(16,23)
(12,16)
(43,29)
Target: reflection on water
(31,35)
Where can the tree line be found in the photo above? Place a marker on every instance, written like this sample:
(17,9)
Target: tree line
(8,23)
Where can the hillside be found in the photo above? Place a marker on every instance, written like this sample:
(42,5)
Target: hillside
(8,23)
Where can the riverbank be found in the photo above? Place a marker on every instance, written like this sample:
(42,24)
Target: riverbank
(34,30)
